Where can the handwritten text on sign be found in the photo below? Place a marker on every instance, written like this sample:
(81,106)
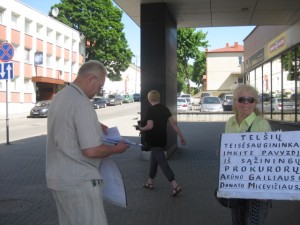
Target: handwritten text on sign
(263,165)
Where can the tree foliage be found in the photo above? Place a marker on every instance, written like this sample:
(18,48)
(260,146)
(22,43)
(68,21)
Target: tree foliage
(189,42)
(291,64)
(100,22)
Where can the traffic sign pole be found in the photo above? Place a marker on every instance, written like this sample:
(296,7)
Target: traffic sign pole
(7,118)
(6,55)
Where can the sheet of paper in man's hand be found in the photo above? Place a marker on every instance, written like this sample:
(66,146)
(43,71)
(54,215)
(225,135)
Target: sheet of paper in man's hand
(113,136)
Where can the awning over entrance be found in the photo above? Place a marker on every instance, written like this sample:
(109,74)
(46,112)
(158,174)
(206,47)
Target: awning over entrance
(47,80)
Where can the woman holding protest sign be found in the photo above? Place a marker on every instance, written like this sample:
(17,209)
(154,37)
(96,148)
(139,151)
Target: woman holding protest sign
(246,119)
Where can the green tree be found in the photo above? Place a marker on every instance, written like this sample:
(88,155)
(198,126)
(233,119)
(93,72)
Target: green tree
(100,22)
(189,42)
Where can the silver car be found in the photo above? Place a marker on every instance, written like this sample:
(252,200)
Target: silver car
(182,104)
(211,104)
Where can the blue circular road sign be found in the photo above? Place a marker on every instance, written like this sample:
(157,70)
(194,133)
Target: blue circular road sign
(6,52)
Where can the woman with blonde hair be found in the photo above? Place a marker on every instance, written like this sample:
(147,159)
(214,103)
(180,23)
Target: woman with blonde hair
(246,119)
(157,118)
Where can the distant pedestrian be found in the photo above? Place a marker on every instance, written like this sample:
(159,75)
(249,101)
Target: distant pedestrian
(74,149)
(245,97)
(157,118)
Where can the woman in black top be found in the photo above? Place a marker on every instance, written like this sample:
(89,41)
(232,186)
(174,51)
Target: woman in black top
(158,116)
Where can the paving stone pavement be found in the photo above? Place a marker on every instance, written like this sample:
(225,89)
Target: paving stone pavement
(25,199)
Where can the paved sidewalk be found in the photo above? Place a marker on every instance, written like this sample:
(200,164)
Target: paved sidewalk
(25,200)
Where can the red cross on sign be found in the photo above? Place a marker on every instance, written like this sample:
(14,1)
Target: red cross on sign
(6,52)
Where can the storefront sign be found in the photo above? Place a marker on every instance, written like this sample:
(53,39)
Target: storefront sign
(277,45)
(263,165)
(254,60)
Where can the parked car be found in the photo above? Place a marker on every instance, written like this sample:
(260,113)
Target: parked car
(182,105)
(189,98)
(99,102)
(266,106)
(227,102)
(115,99)
(137,97)
(204,94)
(286,104)
(277,105)
(211,104)
(128,98)
(264,97)
(40,109)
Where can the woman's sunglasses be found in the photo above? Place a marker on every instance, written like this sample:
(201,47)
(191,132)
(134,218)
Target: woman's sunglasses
(244,99)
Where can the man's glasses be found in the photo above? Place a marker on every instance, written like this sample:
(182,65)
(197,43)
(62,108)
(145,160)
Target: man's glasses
(244,99)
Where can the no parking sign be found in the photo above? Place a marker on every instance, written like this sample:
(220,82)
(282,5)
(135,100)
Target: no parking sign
(6,54)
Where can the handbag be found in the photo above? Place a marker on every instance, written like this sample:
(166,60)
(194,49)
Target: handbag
(229,202)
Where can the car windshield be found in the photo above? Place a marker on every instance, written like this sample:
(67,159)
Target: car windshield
(228,97)
(181,100)
(111,96)
(41,104)
(211,100)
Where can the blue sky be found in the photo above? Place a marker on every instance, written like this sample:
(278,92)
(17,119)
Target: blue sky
(132,31)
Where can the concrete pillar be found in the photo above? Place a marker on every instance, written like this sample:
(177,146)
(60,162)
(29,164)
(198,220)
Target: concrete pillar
(159,60)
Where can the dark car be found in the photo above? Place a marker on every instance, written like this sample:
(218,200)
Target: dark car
(40,109)
(137,97)
(264,97)
(115,99)
(99,102)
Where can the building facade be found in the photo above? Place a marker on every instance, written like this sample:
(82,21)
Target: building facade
(223,68)
(47,55)
(129,84)
(272,66)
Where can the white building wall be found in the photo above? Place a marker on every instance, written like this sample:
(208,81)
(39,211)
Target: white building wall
(222,70)
(14,15)
(130,83)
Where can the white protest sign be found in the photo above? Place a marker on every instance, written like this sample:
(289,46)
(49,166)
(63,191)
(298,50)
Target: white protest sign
(262,165)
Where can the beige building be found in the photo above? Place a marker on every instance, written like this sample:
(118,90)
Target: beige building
(223,68)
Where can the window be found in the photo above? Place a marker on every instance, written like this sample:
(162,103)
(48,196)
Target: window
(27,84)
(58,63)
(49,32)
(14,83)
(28,26)
(49,59)
(39,29)
(14,20)
(241,59)
(58,35)
(2,15)
(27,55)
(16,52)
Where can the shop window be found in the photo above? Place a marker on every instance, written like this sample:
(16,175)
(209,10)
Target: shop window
(290,76)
